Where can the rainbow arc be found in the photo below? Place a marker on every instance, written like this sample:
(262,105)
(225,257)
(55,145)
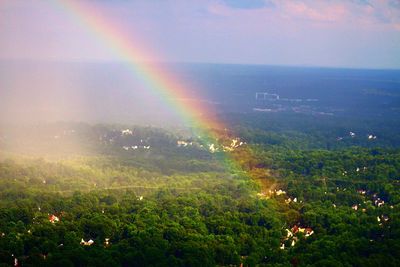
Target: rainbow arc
(175,92)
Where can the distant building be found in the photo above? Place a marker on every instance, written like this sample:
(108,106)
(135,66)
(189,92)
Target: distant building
(266,96)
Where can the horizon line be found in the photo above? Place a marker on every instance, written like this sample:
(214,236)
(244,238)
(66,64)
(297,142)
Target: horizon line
(90,61)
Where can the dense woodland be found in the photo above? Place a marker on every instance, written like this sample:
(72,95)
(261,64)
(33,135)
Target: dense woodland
(120,195)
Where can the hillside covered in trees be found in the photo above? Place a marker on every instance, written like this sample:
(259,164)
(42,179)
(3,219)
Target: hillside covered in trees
(145,196)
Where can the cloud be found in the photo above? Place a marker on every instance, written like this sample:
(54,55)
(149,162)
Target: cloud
(254,31)
(248,4)
(394,4)
(353,13)
(362,2)
(320,12)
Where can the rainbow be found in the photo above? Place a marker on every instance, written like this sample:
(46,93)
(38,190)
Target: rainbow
(140,60)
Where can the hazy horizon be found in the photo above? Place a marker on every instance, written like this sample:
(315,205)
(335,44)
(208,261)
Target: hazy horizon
(116,61)
(108,92)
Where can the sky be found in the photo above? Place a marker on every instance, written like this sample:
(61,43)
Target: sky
(332,33)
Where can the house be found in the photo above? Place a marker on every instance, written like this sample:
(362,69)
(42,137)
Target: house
(361,191)
(212,148)
(227,148)
(280,192)
(53,218)
(234,143)
(289,233)
(379,202)
(88,243)
(292,234)
(182,143)
(384,218)
(126,132)
(308,232)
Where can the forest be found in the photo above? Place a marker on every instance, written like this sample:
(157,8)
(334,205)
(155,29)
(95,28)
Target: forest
(77,194)
(228,133)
